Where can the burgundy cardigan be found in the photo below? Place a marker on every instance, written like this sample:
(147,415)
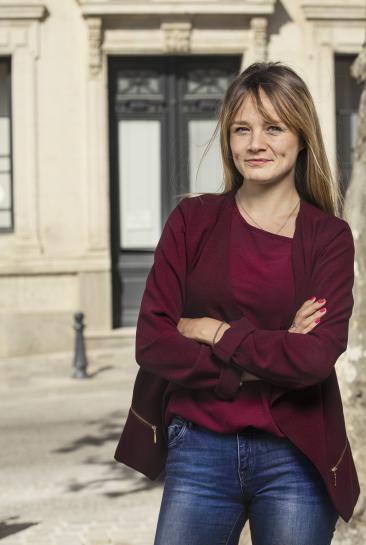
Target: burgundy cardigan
(189,278)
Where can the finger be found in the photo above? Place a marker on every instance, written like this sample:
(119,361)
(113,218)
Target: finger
(317,303)
(312,310)
(305,324)
(311,327)
(311,324)
(310,301)
(315,314)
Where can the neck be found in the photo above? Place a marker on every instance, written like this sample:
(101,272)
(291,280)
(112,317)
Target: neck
(269,201)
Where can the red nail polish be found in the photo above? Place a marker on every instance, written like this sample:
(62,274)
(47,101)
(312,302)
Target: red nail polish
(312,298)
(321,300)
(323,309)
(317,320)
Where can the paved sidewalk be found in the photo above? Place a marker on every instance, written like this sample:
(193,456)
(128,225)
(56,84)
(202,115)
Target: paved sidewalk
(59,482)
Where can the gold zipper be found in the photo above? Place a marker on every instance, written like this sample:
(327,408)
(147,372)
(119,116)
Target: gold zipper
(154,428)
(335,467)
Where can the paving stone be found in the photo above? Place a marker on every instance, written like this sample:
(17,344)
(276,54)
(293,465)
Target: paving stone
(57,468)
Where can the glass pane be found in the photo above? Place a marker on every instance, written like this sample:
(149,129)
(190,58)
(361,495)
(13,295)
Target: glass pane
(348,92)
(205,172)
(5,191)
(353,129)
(5,219)
(4,90)
(208,82)
(139,183)
(4,136)
(4,164)
(5,147)
(138,83)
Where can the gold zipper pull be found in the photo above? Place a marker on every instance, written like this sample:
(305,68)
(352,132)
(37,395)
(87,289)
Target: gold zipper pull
(334,468)
(334,471)
(154,428)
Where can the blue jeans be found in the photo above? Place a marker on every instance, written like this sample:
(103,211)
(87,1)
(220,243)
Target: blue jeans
(214,482)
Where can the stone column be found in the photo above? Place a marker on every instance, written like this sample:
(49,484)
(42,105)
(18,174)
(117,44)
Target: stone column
(97,118)
(258,50)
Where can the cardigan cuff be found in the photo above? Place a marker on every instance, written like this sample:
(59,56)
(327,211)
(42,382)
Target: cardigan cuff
(230,376)
(231,339)
(229,382)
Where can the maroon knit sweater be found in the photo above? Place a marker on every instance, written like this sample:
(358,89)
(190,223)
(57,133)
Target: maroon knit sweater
(262,283)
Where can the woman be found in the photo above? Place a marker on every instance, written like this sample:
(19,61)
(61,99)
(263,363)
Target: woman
(244,315)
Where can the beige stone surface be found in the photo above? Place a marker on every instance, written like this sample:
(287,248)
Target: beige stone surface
(60,124)
(60,484)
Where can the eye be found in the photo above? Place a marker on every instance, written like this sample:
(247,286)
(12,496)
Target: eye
(240,130)
(274,128)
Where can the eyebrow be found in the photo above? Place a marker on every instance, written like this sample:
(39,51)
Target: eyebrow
(243,122)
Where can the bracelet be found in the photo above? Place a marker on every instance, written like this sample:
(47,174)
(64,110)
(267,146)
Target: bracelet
(217,330)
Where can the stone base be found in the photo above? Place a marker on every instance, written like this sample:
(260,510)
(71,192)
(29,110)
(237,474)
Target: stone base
(22,334)
(110,339)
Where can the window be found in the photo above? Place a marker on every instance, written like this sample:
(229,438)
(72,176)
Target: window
(6,191)
(348,93)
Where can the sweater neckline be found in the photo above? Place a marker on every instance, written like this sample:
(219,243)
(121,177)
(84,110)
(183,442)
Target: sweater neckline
(263,231)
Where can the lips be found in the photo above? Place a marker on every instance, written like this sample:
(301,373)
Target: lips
(257,162)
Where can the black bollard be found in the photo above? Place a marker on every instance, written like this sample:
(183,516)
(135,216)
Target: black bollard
(80,361)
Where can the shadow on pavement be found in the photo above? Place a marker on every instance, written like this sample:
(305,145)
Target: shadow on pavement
(136,483)
(108,429)
(100,370)
(7,529)
(129,481)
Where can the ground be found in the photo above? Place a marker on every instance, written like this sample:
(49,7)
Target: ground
(59,482)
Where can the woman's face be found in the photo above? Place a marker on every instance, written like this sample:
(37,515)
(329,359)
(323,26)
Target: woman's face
(263,152)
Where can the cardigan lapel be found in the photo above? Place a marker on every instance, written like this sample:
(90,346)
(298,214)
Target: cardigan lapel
(214,294)
(213,266)
(299,258)
(300,267)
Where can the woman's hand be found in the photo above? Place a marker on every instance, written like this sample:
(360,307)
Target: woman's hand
(204,329)
(201,329)
(306,316)
(304,322)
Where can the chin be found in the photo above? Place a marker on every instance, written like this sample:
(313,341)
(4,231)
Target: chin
(257,179)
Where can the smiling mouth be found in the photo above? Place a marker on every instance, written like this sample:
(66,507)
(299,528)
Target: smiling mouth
(257,162)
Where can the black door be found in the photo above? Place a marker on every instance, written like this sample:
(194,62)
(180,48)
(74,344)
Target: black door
(162,113)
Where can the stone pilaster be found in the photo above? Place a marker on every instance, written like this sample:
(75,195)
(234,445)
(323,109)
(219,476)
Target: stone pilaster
(258,26)
(95,43)
(177,37)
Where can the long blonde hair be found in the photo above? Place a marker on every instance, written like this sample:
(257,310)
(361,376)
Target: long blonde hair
(294,105)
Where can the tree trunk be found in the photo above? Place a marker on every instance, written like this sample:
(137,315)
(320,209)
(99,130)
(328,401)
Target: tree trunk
(351,368)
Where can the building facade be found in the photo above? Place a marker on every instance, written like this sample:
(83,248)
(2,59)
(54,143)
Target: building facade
(106,107)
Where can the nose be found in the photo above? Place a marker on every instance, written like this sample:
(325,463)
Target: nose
(257,141)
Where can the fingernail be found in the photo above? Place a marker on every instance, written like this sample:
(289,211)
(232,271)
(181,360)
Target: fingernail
(321,300)
(317,320)
(312,298)
(323,309)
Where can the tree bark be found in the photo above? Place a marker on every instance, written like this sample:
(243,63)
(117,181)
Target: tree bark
(351,367)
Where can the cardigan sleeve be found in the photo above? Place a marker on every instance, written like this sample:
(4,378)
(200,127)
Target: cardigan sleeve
(160,348)
(296,360)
